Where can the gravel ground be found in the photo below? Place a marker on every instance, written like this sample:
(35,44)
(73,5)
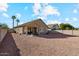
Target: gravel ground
(53,44)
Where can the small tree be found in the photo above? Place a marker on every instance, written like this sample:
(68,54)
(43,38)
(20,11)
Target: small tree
(62,27)
(66,27)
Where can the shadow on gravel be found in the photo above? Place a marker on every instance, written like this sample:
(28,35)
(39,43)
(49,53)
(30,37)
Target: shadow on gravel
(56,35)
(8,46)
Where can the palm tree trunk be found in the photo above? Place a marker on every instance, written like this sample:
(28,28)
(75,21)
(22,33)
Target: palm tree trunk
(17,23)
(13,24)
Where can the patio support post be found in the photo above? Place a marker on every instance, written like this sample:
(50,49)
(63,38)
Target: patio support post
(72,30)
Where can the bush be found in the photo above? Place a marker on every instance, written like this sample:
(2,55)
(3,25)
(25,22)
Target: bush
(5,26)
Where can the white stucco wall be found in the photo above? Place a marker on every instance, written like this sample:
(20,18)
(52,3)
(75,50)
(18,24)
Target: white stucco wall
(42,31)
(19,30)
(25,30)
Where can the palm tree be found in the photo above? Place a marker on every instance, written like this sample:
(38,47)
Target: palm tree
(17,21)
(13,17)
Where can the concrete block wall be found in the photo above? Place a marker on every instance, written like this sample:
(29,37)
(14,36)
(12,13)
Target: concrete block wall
(2,34)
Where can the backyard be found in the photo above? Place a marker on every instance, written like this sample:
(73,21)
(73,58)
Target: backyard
(54,44)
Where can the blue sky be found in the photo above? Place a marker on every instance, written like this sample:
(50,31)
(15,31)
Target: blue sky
(50,13)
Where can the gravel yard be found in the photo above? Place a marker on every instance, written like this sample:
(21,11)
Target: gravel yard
(53,44)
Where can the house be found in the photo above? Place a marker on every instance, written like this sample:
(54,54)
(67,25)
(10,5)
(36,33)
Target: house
(53,26)
(33,27)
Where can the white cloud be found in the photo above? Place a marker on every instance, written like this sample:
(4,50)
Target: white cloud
(71,20)
(5,15)
(67,19)
(53,22)
(21,23)
(3,6)
(75,11)
(44,4)
(44,10)
(41,17)
(37,8)
(75,19)
(18,15)
(77,6)
(49,10)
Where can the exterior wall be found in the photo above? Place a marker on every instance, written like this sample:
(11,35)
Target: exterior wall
(41,28)
(25,30)
(53,26)
(19,30)
(2,33)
